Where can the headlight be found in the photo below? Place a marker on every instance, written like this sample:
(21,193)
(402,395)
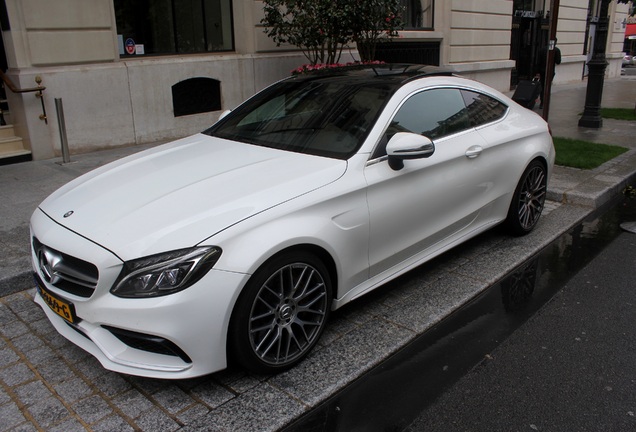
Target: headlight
(165,273)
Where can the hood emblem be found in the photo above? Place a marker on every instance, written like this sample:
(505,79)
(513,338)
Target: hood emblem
(68,213)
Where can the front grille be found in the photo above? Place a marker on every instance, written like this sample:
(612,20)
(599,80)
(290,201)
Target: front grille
(70,274)
(150,343)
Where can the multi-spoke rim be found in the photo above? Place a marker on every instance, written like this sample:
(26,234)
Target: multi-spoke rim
(532,197)
(287,314)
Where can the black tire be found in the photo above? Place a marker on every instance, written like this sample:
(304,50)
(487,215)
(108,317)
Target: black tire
(528,199)
(281,313)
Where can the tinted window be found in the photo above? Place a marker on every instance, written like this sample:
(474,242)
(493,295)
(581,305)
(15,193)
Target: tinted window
(432,113)
(173,26)
(321,117)
(483,109)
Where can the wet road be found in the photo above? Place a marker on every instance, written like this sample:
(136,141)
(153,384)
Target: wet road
(551,348)
(572,367)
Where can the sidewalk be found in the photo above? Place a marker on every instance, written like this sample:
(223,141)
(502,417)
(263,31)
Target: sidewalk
(60,385)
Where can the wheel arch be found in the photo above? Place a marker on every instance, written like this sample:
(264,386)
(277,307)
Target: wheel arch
(320,253)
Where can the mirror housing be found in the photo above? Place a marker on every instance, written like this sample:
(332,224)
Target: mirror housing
(407,145)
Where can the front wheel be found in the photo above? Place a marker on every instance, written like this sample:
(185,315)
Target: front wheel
(528,199)
(281,313)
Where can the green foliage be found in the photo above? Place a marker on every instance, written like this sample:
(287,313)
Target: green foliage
(321,28)
(584,154)
(372,20)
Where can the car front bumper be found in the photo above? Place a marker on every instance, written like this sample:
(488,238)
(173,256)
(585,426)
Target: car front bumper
(194,320)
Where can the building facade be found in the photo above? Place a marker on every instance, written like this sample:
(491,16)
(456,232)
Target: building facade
(137,71)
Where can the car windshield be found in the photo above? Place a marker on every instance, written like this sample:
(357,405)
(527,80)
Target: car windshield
(324,117)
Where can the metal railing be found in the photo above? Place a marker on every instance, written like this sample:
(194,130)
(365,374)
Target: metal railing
(37,90)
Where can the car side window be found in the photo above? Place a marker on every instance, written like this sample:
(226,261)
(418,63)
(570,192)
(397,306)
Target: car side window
(433,113)
(483,109)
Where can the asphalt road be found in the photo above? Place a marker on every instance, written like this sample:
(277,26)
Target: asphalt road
(571,367)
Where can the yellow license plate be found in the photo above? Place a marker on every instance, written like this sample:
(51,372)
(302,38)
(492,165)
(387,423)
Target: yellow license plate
(63,308)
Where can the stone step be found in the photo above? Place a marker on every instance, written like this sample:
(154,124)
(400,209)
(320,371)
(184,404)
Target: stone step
(11,147)
(7,131)
(11,144)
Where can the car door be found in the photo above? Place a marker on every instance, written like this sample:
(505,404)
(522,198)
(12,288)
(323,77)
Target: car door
(421,207)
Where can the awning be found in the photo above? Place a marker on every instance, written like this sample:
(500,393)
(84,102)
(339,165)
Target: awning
(630,30)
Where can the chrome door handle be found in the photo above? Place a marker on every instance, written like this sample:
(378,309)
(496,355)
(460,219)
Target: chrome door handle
(473,151)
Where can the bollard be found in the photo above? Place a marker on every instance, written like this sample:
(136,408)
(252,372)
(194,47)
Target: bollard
(59,108)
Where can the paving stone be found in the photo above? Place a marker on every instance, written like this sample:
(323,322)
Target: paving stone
(48,412)
(92,409)
(42,326)
(14,329)
(7,357)
(149,385)
(73,354)
(33,392)
(262,409)
(6,315)
(18,302)
(70,425)
(132,403)
(112,423)
(212,394)
(245,384)
(91,368)
(10,416)
(192,414)
(31,313)
(73,390)
(41,356)
(16,374)
(56,371)
(111,384)
(156,420)
(27,342)
(4,397)
(173,399)
(25,427)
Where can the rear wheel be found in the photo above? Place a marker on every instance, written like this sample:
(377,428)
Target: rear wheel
(281,313)
(528,199)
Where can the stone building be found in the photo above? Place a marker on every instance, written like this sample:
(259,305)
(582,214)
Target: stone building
(138,71)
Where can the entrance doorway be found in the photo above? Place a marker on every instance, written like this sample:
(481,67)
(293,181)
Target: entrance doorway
(530,31)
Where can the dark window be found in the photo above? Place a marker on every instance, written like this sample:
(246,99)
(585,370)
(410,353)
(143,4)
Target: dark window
(483,109)
(418,14)
(432,113)
(196,95)
(408,52)
(174,26)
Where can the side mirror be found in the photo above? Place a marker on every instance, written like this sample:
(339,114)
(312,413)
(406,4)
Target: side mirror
(406,145)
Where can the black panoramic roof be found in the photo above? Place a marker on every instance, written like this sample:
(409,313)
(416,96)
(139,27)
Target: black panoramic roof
(396,73)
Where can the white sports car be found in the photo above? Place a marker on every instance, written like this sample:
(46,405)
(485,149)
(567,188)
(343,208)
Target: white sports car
(238,241)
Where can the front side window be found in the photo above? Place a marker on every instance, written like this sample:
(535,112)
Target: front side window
(418,14)
(322,117)
(432,113)
(173,26)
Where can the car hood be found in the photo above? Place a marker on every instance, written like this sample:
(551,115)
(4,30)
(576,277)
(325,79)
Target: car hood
(179,194)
